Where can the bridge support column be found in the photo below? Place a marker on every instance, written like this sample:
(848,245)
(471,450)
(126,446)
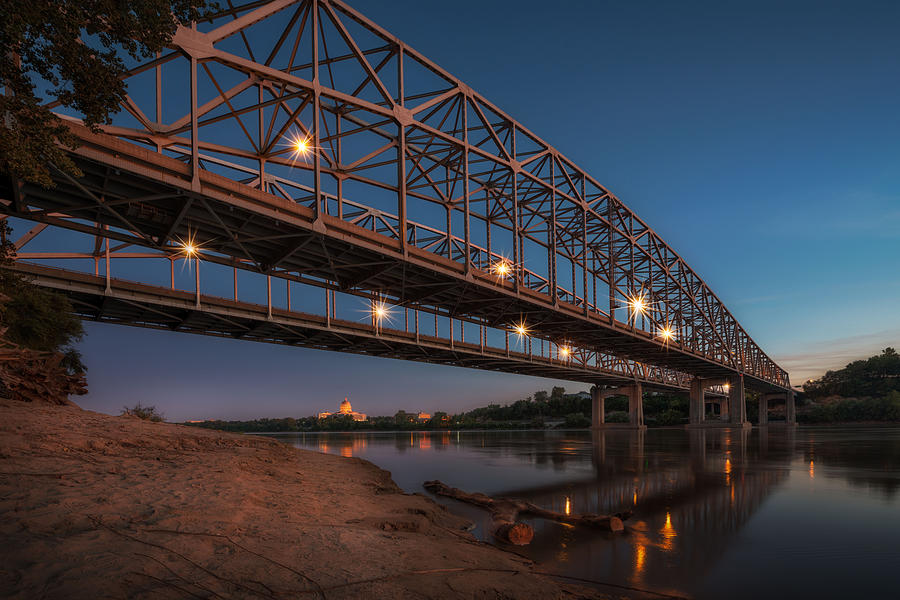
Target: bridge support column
(790,409)
(635,407)
(697,407)
(635,404)
(724,409)
(598,406)
(737,408)
(763,410)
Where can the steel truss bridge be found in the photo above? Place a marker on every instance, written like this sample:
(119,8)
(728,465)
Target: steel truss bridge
(290,172)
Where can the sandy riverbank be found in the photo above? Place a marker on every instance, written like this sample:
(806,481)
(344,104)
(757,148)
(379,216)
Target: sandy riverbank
(95,506)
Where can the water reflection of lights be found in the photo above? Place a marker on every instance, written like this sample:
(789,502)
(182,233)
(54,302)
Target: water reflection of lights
(812,470)
(640,555)
(668,534)
(568,505)
(345,448)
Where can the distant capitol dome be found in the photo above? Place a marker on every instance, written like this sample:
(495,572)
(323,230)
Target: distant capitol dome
(345,407)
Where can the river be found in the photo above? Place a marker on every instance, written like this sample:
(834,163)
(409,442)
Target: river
(778,512)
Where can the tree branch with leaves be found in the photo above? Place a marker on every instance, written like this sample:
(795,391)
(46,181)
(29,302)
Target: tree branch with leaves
(72,53)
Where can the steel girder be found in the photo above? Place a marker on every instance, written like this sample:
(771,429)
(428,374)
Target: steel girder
(414,187)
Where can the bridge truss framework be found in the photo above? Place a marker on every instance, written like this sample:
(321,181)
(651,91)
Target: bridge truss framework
(299,141)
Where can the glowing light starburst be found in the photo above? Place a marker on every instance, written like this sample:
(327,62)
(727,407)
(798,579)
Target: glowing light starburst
(299,145)
(666,334)
(188,247)
(380,312)
(520,329)
(565,351)
(726,387)
(502,268)
(639,304)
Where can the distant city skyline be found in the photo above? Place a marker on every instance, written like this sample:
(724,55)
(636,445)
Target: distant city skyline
(760,140)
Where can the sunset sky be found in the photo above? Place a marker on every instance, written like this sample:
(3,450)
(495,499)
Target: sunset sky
(761,140)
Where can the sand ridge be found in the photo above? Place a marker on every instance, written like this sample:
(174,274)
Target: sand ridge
(96,506)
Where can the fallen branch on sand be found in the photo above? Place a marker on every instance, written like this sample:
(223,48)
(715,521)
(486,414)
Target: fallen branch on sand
(505,512)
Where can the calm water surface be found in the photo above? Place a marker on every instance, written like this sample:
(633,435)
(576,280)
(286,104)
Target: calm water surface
(783,513)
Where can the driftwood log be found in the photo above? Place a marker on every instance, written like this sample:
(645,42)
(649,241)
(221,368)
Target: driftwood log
(506,511)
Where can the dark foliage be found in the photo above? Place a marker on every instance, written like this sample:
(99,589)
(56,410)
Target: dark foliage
(886,408)
(147,413)
(75,48)
(872,377)
(37,318)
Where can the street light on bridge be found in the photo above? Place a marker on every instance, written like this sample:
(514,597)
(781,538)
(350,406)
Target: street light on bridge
(299,145)
(520,329)
(502,268)
(667,334)
(380,311)
(639,304)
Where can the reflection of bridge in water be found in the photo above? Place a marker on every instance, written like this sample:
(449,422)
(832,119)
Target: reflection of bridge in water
(690,493)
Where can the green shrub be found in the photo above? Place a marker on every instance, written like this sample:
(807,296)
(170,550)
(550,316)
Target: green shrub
(670,417)
(147,413)
(577,420)
(617,416)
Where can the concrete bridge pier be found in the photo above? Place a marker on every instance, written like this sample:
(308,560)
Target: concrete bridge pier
(635,394)
(732,410)
(790,411)
(737,402)
(697,406)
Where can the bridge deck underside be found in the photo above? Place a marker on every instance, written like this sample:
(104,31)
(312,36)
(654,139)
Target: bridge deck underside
(149,199)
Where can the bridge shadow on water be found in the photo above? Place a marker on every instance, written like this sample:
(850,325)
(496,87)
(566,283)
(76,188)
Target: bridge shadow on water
(716,512)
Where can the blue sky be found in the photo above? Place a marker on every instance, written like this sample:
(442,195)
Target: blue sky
(760,139)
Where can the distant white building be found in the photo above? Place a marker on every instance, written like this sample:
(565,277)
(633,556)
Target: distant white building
(345,409)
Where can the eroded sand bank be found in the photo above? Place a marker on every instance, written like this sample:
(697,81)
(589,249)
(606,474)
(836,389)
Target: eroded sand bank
(95,506)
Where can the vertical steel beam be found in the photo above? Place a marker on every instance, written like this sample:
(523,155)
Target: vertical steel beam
(466,225)
(197,279)
(551,239)
(610,260)
(195,132)
(268,296)
(317,109)
(106,240)
(261,134)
